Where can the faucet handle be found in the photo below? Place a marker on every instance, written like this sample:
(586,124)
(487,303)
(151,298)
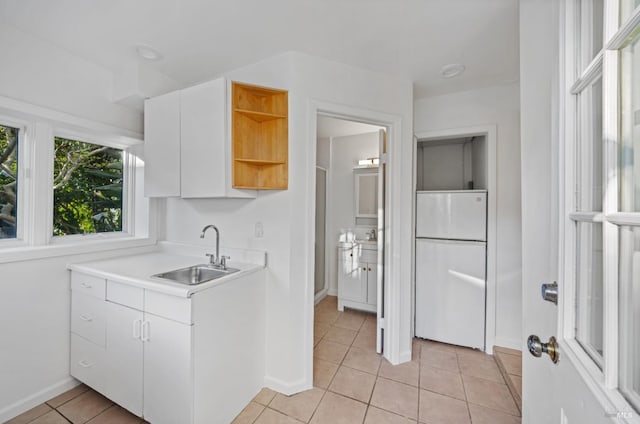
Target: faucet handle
(212,258)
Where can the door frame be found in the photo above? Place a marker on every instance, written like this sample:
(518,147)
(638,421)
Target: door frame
(325,288)
(397,295)
(490,134)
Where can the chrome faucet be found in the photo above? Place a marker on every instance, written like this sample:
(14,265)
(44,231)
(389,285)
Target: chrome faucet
(215,261)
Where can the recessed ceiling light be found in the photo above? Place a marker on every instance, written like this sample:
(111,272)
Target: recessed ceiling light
(148,53)
(452,70)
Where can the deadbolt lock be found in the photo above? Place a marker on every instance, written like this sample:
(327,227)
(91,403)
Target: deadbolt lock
(537,348)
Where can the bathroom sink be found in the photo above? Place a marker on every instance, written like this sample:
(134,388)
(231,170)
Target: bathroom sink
(196,274)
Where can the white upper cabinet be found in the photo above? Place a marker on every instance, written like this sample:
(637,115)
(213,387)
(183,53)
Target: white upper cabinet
(194,160)
(162,146)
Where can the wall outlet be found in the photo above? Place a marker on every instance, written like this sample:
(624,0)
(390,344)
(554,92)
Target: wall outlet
(259,230)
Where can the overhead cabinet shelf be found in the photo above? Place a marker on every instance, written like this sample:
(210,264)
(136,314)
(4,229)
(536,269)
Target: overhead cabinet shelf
(260,134)
(260,116)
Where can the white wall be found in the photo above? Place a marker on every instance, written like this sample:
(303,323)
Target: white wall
(34,294)
(500,106)
(323,152)
(288,215)
(441,166)
(34,324)
(345,152)
(38,72)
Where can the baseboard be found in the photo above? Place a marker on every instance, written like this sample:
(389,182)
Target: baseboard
(333,292)
(36,399)
(286,388)
(404,357)
(510,343)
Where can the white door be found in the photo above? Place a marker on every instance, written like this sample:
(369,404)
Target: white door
(321,221)
(124,357)
(168,390)
(579,214)
(383,180)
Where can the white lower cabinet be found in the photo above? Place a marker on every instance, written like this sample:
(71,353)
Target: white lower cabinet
(170,359)
(357,278)
(124,354)
(167,371)
(141,361)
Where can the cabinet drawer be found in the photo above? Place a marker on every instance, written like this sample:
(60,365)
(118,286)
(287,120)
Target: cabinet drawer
(124,294)
(88,363)
(88,284)
(167,306)
(88,317)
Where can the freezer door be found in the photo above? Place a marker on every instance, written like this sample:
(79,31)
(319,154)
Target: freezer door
(450,292)
(452,215)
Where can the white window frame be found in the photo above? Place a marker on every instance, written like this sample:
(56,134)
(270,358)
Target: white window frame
(23,181)
(604,383)
(35,167)
(128,190)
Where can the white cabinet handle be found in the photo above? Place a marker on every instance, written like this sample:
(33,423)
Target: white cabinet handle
(136,328)
(85,364)
(86,317)
(146,331)
(85,285)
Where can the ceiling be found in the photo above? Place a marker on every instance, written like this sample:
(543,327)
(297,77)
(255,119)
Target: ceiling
(334,127)
(200,39)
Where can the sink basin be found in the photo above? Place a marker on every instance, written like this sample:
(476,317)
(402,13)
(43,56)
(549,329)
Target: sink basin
(196,274)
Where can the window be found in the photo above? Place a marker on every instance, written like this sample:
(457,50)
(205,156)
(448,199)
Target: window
(88,188)
(602,154)
(8,182)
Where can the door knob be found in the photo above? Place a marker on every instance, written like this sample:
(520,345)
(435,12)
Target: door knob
(537,348)
(550,292)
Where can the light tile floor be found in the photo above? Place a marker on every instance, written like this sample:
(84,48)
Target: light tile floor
(78,406)
(353,384)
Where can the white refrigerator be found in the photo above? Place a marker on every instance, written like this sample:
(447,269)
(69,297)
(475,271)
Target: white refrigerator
(451,234)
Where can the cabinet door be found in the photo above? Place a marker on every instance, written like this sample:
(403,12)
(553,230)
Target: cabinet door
(352,277)
(203,131)
(162,146)
(124,357)
(372,283)
(167,371)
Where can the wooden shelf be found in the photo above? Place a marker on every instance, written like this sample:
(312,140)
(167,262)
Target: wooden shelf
(260,133)
(260,116)
(260,161)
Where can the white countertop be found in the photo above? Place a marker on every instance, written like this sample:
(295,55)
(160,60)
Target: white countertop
(365,244)
(137,270)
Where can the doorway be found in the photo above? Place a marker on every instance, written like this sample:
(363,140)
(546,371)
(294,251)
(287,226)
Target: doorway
(349,225)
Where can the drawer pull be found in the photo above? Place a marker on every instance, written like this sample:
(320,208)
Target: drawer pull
(85,317)
(136,328)
(86,285)
(85,364)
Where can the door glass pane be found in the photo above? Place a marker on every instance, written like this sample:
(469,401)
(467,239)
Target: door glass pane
(590,149)
(591,24)
(630,314)
(589,298)
(630,128)
(8,182)
(626,9)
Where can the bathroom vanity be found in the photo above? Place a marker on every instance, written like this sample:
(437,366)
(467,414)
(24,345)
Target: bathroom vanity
(358,275)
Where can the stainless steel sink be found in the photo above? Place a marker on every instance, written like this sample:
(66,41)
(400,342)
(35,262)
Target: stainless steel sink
(196,274)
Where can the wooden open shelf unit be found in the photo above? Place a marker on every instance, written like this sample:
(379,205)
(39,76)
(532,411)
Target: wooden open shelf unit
(260,137)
